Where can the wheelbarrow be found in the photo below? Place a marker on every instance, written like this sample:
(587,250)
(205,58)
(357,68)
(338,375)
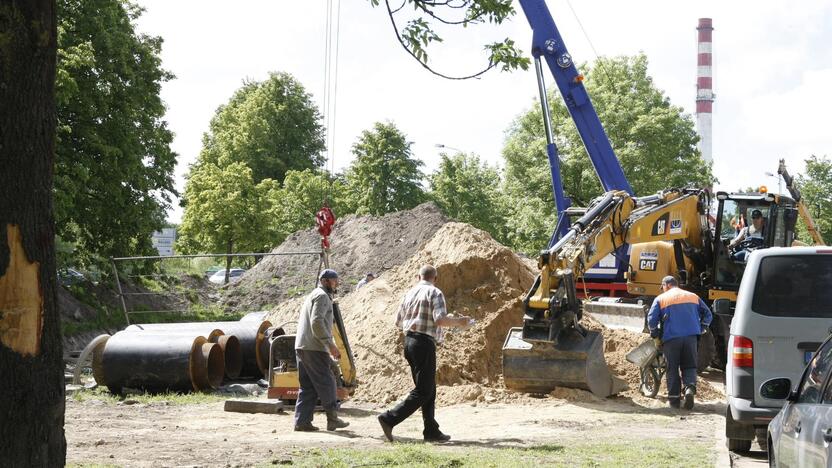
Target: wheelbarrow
(651,367)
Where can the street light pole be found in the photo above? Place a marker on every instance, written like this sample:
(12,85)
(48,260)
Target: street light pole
(779,181)
(440,145)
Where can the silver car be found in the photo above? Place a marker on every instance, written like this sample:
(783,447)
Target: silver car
(801,433)
(783,314)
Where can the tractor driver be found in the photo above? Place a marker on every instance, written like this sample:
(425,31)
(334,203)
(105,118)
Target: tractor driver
(753,234)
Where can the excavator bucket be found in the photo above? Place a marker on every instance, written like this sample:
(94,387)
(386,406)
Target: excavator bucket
(576,362)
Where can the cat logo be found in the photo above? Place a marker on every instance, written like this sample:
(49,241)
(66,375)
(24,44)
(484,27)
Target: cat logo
(660,226)
(647,265)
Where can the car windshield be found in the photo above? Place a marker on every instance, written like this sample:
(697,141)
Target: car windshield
(794,286)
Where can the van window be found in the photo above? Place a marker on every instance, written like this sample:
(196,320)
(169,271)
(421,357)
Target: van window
(794,286)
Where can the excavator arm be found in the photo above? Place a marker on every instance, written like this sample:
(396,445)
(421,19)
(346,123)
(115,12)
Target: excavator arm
(612,220)
(802,210)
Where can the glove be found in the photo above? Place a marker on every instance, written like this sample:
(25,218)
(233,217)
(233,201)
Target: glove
(657,342)
(703,330)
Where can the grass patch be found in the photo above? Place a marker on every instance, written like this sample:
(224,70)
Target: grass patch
(646,453)
(195,398)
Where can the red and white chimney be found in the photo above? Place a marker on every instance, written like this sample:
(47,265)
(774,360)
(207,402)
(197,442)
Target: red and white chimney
(704,88)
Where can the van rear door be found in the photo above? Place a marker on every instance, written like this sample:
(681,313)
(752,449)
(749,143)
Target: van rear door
(790,315)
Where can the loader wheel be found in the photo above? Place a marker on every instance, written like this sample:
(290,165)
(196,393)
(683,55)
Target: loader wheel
(706,351)
(650,382)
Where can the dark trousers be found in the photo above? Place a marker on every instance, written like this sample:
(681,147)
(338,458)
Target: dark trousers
(681,355)
(420,352)
(316,382)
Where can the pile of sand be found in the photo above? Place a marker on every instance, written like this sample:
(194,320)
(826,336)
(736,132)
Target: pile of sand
(359,244)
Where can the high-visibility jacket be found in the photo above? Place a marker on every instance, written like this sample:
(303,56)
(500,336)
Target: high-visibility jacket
(680,312)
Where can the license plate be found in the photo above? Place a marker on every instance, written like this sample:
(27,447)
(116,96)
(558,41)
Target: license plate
(807,356)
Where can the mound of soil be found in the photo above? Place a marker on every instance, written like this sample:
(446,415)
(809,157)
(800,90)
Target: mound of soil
(359,244)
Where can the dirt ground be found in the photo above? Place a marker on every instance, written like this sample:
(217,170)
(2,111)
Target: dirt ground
(158,434)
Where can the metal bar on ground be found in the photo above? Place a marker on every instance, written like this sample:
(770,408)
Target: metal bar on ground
(120,292)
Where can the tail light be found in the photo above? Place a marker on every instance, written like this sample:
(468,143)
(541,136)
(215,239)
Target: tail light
(742,352)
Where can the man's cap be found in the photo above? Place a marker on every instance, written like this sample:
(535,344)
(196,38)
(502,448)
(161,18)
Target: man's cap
(328,274)
(756,214)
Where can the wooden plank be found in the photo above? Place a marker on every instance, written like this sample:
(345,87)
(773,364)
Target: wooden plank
(254,406)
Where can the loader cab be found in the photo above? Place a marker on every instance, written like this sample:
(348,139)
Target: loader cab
(733,212)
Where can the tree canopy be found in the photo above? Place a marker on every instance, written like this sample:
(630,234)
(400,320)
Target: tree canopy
(114,165)
(415,29)
(653,139)
(815,186)
(469,190)
(225,212)
(271,126)
(384,176)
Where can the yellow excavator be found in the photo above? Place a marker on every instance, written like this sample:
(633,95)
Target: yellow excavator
(553,349)
(670,233)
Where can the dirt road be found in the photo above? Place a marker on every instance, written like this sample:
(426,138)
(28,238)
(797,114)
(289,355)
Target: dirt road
(159,434)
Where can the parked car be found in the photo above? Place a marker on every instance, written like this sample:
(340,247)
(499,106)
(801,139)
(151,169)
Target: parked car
(801,433)
(233,275)
(783,314)
(210,271)
(70,276)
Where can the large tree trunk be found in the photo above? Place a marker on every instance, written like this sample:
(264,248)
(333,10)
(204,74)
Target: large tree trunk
(31,361)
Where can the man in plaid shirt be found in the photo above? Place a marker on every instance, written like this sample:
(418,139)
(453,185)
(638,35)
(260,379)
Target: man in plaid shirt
(421,317)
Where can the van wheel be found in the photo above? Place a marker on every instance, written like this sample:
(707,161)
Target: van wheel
(762,438)
(739,445)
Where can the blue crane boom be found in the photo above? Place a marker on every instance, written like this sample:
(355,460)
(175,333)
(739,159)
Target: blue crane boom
(548,44)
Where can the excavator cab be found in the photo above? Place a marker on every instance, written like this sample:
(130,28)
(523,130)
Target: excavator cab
(733,213)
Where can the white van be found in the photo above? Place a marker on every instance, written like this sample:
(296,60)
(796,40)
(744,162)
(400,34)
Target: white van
(783,314)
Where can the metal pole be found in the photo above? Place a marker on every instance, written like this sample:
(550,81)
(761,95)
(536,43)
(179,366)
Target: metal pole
(120,292)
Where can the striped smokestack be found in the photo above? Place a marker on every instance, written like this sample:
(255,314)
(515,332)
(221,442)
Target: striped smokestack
(704,87)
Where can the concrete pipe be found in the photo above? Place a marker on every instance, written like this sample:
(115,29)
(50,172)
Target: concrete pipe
(160,362)
(252,337)
(230,344)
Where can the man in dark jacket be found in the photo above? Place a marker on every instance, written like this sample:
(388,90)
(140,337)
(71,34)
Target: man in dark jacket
(315,348)
(683,317)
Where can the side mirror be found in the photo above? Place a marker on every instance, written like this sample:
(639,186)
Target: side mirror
(776,389)
(722,307)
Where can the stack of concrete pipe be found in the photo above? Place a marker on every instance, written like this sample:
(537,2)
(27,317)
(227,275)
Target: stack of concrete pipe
(181,356)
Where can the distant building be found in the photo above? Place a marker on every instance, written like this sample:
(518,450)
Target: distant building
(163,241)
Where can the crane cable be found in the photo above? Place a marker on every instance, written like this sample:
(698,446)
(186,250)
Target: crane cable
(330,92)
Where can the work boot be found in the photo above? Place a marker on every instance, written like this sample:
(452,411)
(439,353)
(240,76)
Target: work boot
(386,428)
(690,391)
(305,427)
(333,422)
(437,437)
(673,402)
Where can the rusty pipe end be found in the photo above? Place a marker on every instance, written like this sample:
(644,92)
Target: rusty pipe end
(207,365)
(261,355)
(233,354)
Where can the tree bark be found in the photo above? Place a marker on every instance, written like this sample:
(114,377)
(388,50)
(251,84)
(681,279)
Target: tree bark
(31,358)
(228,252)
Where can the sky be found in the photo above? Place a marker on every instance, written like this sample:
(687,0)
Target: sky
(772,73)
